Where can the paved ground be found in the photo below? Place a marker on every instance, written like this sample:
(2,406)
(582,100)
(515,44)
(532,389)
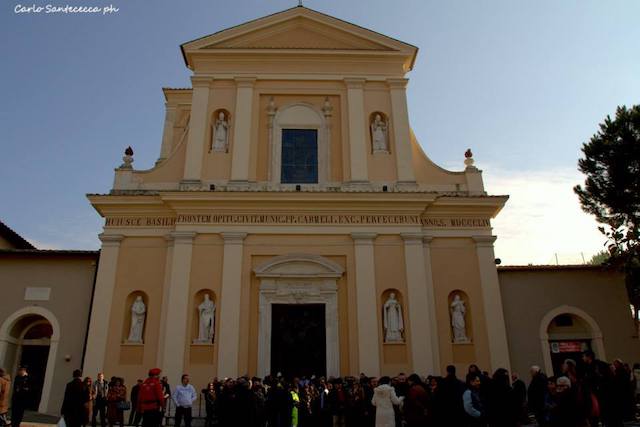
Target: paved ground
(35,419)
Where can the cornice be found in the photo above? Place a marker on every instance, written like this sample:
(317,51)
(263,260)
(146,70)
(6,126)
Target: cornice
(110,240)
(395,83)
(484,241)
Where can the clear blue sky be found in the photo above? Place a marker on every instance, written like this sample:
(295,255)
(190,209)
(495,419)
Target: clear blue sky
(523,84)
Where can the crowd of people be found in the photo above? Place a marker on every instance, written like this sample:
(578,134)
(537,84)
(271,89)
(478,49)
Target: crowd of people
(587,394)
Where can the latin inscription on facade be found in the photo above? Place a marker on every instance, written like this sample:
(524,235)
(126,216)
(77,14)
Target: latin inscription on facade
(295,219)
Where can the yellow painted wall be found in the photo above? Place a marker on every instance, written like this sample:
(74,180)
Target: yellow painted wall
(391,274)
(201,361)
(455,267)
(141,266)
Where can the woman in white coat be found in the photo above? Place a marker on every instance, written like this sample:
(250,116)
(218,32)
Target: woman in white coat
(384,397)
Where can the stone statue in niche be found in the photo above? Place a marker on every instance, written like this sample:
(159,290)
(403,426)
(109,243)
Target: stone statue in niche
(458,323)
(138,313)
(379,135)
(221,133)
(392,318)
(206,316)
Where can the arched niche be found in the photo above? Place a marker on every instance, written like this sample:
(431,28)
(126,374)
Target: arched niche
(198,298)
(303,116)
(126,325)
(574,328)
(468,316)
(384,297)
(215,116)
(385,132)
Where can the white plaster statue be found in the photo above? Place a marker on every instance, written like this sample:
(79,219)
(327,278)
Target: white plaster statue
(138,312)
(392,317)
(458,323)
(206,315)
(220,133)
(379,135)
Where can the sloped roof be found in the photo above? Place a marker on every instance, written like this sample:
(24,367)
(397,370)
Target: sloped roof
(14,238)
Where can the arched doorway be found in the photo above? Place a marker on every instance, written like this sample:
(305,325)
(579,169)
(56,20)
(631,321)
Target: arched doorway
(29,337)
(565,332)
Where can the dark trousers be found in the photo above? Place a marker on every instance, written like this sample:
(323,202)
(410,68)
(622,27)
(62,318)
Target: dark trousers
(134,416)
(17,413)
(100,406)
(183,411)
(151,418)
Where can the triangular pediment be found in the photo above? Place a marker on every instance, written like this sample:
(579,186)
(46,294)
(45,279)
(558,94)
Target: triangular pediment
(299,33)
(298,28)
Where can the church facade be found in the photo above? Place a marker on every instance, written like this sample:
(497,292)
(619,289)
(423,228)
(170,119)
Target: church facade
(291,194)
(293,224)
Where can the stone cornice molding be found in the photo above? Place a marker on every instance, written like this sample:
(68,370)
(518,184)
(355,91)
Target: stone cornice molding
(397,83)
(111,240)
(183,236)
(484,241)
(201,81)
(355,82)
(233,237)
(426,240)
(245,81)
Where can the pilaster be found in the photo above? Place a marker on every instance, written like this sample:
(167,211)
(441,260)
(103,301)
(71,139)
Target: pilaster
(401,130)
(103,299)
(357,126)
(417,298)
(492,298)
(241,154)
(197,129)
(166,286)
(229,342)
(431,303)
(167,133)
(366,304)
(177,305)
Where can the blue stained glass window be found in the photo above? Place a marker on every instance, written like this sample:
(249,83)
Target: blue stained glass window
(299,156)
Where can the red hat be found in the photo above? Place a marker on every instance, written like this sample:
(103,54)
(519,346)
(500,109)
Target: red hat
(154,372)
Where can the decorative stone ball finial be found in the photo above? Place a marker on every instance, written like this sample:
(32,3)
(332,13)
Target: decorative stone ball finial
(468,158)
(127,159)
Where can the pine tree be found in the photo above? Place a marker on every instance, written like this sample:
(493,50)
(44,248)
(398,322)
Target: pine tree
(611,191)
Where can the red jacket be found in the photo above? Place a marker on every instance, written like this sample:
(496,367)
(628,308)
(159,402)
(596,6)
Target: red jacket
(150,397)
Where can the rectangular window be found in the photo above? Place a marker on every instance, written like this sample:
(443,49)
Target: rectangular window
(299,156)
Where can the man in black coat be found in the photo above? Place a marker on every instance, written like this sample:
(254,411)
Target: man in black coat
(134,416)
(22,394)
(76,395)
(537,393)
(452,390)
